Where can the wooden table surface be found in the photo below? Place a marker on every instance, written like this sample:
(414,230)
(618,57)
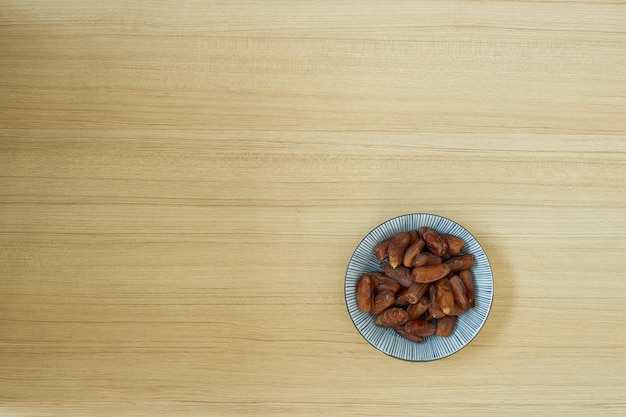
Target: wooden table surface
(182,185)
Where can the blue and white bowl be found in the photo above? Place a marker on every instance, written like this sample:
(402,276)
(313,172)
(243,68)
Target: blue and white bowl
(434,347)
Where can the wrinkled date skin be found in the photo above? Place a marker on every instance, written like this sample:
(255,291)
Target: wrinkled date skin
(468,282)
(392,317)
(384,283)
(430,273)
(382,249)
(455,244)
(420,328)
(457,310)
(382,301)
(434,308)
(460,263)
(397,247)
(445,325)
(412,337)
(401,274)
(416,310)
(426,258)
(412,294)
(458,289)
(365,293)
(411,252)
(445,296)
(435,242)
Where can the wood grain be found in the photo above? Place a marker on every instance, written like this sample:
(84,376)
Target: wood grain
(182,185)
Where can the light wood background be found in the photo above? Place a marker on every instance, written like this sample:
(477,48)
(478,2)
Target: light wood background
(183,183)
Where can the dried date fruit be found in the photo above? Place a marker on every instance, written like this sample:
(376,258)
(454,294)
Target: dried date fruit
(445,325)
(382,282)
(412,294)
(382,301)
(420,328)
(381,250)
(400,274)
(397,247)
(426,258)
(456,310)
(434,308)
(468,282)
(434,242)
(430,273)
(412,337)
(445,296)
(458,289)
(412,251)
(365,293)
(455,244)
(416,310)
(392,317)
(459,263)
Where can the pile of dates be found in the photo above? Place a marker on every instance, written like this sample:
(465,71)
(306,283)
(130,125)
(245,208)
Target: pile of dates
(424,285)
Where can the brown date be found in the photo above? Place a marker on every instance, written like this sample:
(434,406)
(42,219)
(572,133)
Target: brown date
(434,308)
(430,273)
(445,296)
(459,263)
(434,242)
(456,310)
(455,244)
(392,317)
(411,252)
(400,274)
(420,328)
(426,258)
(412,337)
(381,250)
(365,293)
(384,283)
(382,301)
(468,282)
(458,289)
(445,325)
(397,247)
(412,294)
(416,310)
